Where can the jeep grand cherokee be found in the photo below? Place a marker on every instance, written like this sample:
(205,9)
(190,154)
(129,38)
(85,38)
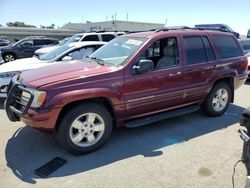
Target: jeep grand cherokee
(133,80)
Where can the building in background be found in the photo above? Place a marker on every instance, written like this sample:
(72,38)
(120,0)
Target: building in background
(16,33)
(115,25)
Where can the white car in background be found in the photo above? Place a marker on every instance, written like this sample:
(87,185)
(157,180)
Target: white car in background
(72,51)
(248,57)
(1,59)
(80,37)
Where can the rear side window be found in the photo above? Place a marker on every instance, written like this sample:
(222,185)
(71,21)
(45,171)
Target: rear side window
(44,42)
(209,49)
(107,37)
(195,51)
(91,38)
(227,46)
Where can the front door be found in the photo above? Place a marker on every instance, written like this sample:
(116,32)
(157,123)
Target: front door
(160,89)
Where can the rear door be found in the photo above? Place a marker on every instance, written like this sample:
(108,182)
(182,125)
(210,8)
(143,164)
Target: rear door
(158,90)
(199,58)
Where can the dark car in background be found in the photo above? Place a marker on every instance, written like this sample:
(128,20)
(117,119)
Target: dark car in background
(4,42)
(25,48)
(245,43)
(222,27)
(248,33)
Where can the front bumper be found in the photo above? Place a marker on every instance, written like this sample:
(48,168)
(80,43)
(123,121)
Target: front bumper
(19,110)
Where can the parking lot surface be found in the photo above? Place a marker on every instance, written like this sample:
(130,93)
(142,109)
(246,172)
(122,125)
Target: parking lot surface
(189,151)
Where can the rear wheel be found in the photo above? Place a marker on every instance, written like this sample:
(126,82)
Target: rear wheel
(84,128)
(9,57)
(218,100)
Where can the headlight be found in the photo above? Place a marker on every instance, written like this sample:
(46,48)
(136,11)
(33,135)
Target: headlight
(39,97)
(8,74)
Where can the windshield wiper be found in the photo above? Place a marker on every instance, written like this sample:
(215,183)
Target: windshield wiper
(99,61)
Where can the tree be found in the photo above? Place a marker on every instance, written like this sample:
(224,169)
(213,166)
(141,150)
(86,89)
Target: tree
(19,24)
(52,26)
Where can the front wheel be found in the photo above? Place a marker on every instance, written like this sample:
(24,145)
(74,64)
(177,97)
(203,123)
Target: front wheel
(84,128)
(218,100)
(9,57)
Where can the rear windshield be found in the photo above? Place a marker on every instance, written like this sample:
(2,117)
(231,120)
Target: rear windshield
(227,46)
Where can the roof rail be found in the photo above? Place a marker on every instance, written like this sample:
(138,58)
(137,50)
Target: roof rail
(140,31)
(172,28)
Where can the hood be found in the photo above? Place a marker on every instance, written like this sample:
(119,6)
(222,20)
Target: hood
(5,47)
(46,49)
(22,65)
(62,71)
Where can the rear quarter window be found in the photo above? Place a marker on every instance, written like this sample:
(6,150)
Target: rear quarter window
(227,45)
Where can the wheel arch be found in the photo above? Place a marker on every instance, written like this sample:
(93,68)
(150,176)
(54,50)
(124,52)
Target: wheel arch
(230,82)
(107,103)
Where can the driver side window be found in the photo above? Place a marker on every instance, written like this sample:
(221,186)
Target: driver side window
(27,43)
(163,53)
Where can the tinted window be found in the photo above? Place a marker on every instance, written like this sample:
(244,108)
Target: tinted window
(43,42)
(227,46)
(91,38)
(107,38)
(195,51)
(209,49)
(245,45)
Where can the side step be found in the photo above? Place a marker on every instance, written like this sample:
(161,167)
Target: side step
(160,116)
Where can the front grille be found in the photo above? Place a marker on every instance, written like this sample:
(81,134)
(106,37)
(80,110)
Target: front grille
(19,98)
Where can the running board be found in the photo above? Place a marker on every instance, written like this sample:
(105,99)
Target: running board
(160,116)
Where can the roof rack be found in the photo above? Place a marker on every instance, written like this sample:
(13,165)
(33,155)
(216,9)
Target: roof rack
(139,31)
(172,28)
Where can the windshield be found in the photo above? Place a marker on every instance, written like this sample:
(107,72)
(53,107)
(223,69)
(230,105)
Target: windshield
(62,42)
(118,50)
(74,38)
(54,53)
(17,43)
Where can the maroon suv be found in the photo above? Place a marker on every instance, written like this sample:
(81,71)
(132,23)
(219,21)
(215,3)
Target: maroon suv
(133,80)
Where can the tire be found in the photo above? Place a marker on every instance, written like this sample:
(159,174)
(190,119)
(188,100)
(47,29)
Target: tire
(9,57)
(218,100)
(84,128)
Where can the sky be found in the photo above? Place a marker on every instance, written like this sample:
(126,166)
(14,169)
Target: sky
(236,14)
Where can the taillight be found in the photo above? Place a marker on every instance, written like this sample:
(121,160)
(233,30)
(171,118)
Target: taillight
(245,64)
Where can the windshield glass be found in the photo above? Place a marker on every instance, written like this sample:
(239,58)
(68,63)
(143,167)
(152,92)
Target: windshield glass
(118,50)
(62,42)
(17,43)
(54,53)
(74,38)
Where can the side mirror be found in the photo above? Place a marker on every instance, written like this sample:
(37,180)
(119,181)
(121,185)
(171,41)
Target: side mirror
(143,66)
(66,58)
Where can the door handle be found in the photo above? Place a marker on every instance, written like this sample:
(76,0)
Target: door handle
(176,74)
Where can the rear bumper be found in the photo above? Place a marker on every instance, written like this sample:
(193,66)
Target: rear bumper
(240,79)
